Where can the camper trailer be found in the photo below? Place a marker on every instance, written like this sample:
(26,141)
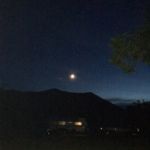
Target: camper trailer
(65,125)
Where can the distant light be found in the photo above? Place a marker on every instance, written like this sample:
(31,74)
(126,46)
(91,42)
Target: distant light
(138,130)
(115,129)
(72,76)
(78,123)
(62,123)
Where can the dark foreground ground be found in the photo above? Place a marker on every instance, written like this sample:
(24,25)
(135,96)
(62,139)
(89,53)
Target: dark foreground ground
(67,142)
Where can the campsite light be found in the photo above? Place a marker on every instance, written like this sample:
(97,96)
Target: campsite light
(78,123)
(138,130)
(101,128)
(62,123)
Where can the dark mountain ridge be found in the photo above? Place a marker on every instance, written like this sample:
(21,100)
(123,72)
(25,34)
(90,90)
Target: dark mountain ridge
(24,112)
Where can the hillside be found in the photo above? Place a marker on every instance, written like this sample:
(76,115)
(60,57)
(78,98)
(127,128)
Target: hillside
(29,112)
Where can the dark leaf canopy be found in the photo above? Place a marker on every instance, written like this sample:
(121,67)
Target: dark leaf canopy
(131,48)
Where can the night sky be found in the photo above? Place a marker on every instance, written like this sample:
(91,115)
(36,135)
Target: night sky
(43,41)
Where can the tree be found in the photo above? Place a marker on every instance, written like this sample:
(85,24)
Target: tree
(132,48)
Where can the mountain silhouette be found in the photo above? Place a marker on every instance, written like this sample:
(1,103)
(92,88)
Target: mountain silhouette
(29,112)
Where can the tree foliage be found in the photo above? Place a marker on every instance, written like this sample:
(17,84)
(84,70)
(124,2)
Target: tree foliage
(131,48)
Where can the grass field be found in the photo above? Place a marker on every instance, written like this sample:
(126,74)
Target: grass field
(75,143)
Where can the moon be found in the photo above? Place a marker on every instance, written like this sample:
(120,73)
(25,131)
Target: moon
(72,76)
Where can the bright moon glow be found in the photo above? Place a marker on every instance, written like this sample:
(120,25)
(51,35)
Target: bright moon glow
(72,76)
